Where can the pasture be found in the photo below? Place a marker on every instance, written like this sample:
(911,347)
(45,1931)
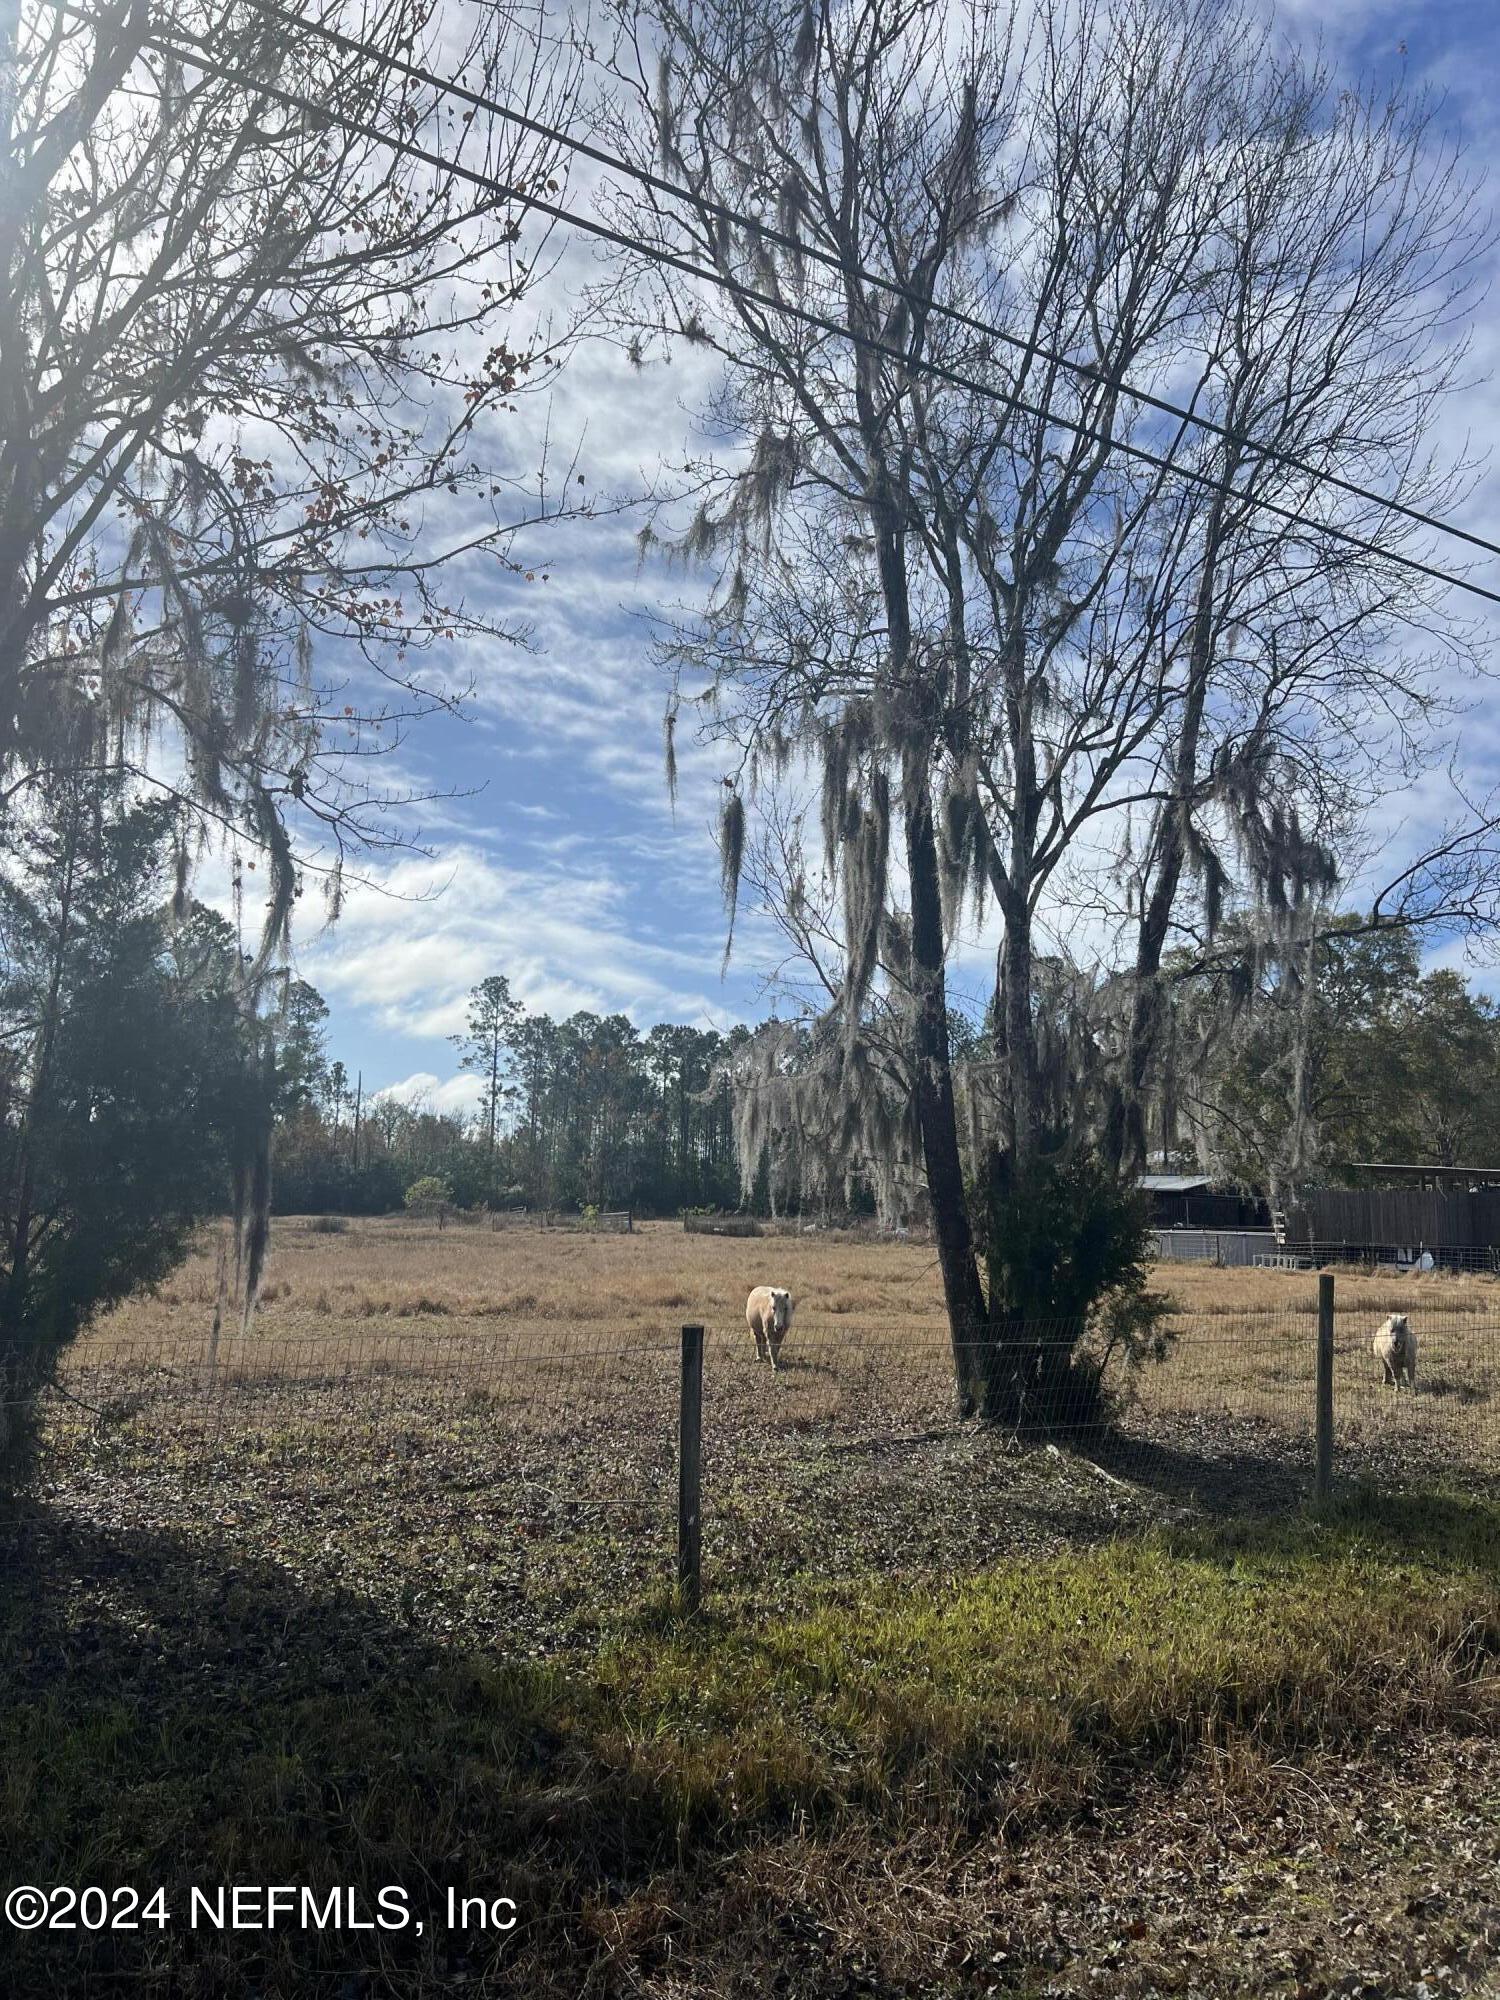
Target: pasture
(533,1377)
(379,1593)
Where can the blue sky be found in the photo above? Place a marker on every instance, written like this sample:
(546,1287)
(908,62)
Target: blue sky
(568,869)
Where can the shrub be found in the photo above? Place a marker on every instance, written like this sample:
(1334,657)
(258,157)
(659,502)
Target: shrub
(131,1077)
(428,1195)
(1066,1245)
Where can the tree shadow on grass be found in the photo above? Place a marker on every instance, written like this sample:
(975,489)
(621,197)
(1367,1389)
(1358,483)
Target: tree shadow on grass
(1247,1475)
(1416,1526)
(1263,1498)
(175,1713)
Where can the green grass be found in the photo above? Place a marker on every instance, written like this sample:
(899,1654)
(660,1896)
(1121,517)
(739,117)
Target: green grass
(267,1741)
(1290,1632)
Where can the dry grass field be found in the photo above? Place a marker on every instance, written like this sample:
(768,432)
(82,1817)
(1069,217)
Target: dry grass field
(558,1331)
(380,1593)
(655,1276)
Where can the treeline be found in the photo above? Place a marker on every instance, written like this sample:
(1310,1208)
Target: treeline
(1342,1052)
(588,1111)
(1358,1055)
(1378,1062)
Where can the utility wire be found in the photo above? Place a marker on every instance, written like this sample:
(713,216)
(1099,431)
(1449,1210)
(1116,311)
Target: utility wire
(191,50)
(1030,348)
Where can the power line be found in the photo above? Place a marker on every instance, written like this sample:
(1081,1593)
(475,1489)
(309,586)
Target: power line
(813,253)
(195,52)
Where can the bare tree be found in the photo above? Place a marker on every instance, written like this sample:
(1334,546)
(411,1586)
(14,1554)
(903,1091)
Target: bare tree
(972,570)
(252,361)
(825,131)
(1303,679)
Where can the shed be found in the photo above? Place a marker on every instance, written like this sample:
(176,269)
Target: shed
(1197,1201)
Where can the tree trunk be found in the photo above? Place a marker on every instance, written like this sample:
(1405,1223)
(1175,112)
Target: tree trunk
(1023,1092)
(937,1115)
(1023,1082)
(1126,1139)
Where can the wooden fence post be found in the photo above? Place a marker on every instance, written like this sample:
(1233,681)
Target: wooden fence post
(1323,1475)
(690,1472)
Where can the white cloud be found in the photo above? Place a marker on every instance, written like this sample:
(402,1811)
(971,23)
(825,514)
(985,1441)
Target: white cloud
(459,1094)
(565,933)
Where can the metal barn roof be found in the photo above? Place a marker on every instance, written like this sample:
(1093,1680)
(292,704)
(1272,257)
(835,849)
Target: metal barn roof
(1173,1183)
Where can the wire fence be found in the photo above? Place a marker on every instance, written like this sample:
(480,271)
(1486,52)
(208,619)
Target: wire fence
(1265,1249)
(446,1215)
(830,1228)
(529,1469)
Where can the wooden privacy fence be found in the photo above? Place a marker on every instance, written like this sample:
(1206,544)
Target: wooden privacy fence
(1458,1219)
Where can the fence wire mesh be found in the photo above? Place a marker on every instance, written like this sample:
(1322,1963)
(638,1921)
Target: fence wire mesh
(1264,1249)
(477,1442)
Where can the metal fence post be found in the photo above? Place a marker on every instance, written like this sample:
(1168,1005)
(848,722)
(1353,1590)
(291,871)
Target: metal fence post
(1323,1476)
(690,1472)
